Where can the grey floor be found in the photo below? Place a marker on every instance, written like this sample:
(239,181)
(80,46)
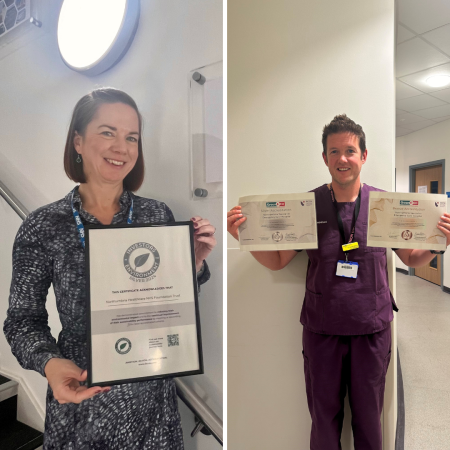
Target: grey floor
(424,346)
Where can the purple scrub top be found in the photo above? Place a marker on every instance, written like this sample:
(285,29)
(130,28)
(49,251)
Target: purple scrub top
(345,306)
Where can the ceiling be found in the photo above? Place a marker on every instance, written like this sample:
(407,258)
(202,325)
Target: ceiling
(423,49)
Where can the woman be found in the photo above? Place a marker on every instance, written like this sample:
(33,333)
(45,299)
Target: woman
(104,153)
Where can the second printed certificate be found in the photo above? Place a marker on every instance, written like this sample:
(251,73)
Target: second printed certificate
(278,222)
(398,220)
(143,307)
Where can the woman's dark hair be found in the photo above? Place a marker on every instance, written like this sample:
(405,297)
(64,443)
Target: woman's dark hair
(82,115)
(343,124)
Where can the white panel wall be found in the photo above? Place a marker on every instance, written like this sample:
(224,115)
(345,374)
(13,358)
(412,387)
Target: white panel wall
(429,144)
(38,93)
(292,66)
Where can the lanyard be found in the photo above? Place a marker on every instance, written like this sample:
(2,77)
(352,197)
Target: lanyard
(79,223)
(339,218)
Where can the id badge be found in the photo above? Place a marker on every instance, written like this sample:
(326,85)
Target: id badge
(347,269)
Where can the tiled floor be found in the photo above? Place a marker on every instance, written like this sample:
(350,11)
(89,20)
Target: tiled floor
(424,346)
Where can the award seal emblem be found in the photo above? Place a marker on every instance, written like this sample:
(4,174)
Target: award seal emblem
(123,346)
(141,260)
(407,235)
(277,236)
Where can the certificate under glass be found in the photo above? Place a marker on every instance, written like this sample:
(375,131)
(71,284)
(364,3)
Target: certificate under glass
(278,222)
(143,303)
(399,220)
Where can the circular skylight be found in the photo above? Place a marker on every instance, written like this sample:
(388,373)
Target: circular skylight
(94,34)
(438,80)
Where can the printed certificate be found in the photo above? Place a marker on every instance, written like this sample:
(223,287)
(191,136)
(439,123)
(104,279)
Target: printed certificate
(278,222)
(143,306)
(398,220)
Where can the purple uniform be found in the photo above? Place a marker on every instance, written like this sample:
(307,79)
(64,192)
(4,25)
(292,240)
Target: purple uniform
(346,335)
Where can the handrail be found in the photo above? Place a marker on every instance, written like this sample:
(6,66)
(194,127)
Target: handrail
(201,410)
(205,415)
(13,202)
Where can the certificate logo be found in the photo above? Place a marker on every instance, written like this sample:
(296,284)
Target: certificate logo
(277,236)
(441,204)
(141,260)
(123,346)
(275,204)
(406,235)
(409,202)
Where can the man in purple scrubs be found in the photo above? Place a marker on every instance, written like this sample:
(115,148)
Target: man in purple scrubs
(346,321)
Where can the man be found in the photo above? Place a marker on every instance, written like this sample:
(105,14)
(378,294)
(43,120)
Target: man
(346,321)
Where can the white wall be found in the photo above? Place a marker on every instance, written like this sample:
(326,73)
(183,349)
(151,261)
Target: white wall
(32,387)
(38,93)
(292,66)
(428,144)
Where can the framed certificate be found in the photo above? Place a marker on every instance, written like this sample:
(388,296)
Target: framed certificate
(278,222)
(143,317)
(399,220)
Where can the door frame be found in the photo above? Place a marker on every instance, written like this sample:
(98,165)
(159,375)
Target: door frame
(412,188)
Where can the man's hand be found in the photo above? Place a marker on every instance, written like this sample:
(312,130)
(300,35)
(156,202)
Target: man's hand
(444,226)
(64,378)
(234,220)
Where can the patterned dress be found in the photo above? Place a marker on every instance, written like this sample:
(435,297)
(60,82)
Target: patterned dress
(48,250)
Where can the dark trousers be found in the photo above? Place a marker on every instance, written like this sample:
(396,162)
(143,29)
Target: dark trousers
(335,363)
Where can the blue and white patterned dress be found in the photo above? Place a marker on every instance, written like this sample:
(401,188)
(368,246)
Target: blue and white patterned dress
(47,250)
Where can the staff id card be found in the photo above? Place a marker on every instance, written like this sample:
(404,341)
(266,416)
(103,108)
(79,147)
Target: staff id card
(347,269)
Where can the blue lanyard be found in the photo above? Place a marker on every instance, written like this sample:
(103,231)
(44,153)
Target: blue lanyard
(79,223)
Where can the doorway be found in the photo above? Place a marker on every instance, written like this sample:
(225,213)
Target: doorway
(428,178)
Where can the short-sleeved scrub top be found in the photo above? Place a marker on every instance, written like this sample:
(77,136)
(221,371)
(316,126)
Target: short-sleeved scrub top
(47,250)
(336,305)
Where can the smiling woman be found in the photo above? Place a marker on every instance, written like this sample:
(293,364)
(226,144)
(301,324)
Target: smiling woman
(117,145)
(104,154)
(107,121)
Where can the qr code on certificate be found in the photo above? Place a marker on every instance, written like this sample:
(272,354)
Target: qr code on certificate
(173,339)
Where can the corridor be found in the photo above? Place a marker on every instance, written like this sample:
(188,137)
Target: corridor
(424,346)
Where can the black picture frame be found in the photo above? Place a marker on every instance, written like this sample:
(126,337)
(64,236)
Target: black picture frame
(200,370)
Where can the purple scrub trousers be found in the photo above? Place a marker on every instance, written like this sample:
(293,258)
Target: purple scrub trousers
(334,364)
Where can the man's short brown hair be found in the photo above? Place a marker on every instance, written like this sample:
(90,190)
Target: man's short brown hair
(343,124)
(82,116)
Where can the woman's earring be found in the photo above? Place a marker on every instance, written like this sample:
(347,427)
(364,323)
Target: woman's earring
(78,160)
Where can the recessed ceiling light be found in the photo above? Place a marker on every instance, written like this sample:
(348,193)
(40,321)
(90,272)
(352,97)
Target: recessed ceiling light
(94,35)
(438,80)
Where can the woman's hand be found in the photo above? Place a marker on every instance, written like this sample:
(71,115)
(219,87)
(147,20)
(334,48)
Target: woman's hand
(444,226)
(234,220)
(204,240)
(64,378)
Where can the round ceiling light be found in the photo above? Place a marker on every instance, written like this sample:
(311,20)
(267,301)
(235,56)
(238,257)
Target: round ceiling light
(438,80)
(93,35)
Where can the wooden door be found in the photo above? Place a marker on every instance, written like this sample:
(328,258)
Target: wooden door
(429,180)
